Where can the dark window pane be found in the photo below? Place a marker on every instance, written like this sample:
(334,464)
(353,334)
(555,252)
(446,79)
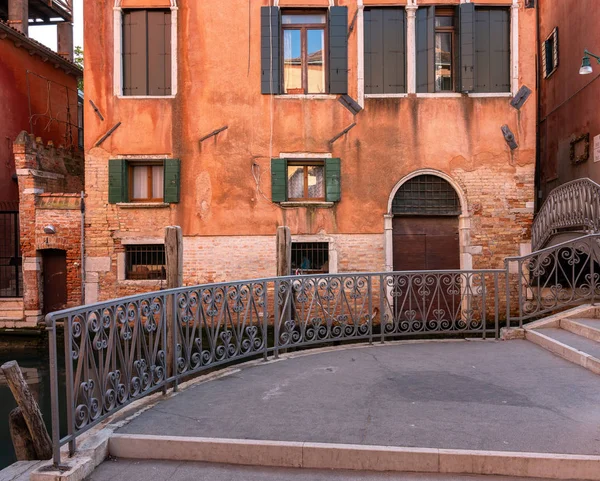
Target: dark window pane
(426,195)
(145,262)
(314,18)
(310,257)
(445,21)
(443,61)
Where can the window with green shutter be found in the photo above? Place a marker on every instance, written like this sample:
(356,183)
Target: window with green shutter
(172,180)
(118,184)
(144,181)
(464,49)
(305,180)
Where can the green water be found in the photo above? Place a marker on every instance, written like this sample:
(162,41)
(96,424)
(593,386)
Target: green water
(37,360)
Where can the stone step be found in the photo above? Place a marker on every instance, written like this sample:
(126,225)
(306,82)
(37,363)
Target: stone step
(576,349)
(11,314)
(583,327)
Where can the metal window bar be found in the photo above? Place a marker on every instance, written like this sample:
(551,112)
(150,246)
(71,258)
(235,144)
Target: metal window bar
(426,195)
(310,257)
(145,262)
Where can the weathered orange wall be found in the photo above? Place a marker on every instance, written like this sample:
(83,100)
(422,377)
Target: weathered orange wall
(569,102)
(219,84)
(14,106)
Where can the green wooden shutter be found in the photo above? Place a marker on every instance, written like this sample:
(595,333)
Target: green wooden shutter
(333,174)
(117,181)
(425,49)
(338,50)
(467,47)
(172,180)
(492,50)
(385,51)
(270,55)
(278,180)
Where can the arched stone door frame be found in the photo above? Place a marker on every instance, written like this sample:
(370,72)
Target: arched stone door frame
(464,220)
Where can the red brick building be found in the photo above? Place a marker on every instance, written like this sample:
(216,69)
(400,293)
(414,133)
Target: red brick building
(569,124)
(386,134)
(38,95)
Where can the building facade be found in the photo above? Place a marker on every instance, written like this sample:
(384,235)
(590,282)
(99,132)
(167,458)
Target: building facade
(569,126)
(41,142)
(384,134)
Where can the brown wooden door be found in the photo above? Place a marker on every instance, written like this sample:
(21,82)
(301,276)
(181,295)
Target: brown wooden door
(426,243)
(55,280)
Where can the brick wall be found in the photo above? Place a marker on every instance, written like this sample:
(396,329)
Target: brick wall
(50,181)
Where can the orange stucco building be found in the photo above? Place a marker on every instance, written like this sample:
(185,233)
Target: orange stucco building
(414,149)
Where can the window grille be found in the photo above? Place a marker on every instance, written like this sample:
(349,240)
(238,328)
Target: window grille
(310,257)
(145,262)
(426,195)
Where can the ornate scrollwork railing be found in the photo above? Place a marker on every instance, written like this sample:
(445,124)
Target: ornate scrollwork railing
(119,351)
(574,205)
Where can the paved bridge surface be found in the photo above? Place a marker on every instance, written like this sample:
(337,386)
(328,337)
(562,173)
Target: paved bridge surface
(188,471)
(479,395)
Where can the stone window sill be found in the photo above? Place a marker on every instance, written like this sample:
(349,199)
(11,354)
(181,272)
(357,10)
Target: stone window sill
(144,283)
(318,204)
(307,96)
(142,205)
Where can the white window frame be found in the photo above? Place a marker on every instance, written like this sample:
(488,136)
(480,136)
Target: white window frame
(118,54)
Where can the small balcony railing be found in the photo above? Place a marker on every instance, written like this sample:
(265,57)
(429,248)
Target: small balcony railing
(574,206)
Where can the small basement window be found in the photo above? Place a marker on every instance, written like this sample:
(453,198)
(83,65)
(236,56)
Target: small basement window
(145,262)
(310,258)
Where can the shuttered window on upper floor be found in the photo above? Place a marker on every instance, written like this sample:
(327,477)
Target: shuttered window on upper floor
(147,52)
(385,50)
(476,55)
(304,52)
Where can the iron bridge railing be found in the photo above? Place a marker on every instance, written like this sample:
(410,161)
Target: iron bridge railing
(574,205)
(124,349)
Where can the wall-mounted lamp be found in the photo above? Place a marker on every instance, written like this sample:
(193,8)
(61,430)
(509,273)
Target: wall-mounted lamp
(586,65)
(50,229)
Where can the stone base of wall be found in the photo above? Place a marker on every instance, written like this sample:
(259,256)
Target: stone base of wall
(229,258)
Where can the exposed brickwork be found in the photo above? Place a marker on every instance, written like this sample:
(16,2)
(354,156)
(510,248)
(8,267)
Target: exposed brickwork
(50,182)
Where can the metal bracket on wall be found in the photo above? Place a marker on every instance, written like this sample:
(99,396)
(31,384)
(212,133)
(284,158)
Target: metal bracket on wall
(529,3)
(107,135)
(213,133)
(97,111)
(521,97)
(352,105)
(509,137)
(343,132)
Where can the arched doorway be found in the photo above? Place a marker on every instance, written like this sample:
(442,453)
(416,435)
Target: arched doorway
(425,225)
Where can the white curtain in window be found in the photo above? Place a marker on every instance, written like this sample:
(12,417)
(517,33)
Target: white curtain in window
(140,182)
(157,181)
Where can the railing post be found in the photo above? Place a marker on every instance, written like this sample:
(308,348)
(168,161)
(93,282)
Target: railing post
(592,269)
(483,305)
(51,328)
(173,329)
(266,320)
(370,292)
(496,305)
(277,312)
(69,381)
(382,295)
(506,275)
(519,270)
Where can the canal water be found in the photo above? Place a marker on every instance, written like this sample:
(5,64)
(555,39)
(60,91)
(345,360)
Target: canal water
(33,358)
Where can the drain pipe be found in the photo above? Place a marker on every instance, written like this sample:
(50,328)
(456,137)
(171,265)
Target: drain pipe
(82,247)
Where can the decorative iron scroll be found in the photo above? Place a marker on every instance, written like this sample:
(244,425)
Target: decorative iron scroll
(574,205)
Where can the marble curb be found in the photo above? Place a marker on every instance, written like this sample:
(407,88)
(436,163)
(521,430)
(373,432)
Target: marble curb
(355,457)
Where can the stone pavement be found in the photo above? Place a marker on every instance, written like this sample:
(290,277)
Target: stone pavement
(130,470)
(480,395)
